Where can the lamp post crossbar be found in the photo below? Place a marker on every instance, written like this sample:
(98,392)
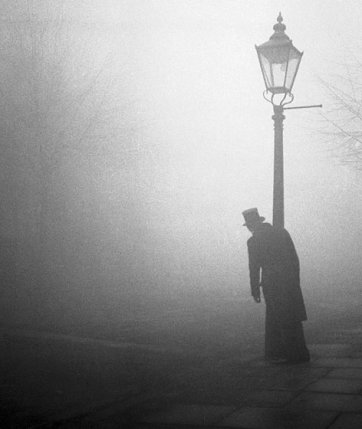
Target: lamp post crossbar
(303,107)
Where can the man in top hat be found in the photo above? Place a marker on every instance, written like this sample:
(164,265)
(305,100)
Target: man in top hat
(274,266)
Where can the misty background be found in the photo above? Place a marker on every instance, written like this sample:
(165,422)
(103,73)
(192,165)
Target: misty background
(134,133)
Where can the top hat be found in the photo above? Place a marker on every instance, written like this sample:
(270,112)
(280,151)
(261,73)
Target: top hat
(251,216)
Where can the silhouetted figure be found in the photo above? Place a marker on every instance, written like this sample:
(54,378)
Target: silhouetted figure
(274,266)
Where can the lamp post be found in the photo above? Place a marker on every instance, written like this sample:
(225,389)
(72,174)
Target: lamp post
(279,61)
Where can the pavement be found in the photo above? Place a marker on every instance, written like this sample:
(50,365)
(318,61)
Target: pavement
(325,393)
(51,380)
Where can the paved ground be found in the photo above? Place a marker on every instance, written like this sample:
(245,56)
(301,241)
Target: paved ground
(327,393)
(200,373)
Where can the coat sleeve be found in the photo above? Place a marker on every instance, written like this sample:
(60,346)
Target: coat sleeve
(254,267)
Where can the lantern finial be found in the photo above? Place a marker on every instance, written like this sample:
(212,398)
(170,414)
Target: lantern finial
(279,28)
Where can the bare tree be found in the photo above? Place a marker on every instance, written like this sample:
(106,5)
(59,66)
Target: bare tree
(343,120)
(57,103)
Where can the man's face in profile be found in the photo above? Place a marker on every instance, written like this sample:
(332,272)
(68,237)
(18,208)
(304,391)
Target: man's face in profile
(253,226)
(250,227)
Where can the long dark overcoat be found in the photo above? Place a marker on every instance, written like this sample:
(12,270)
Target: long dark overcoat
(274,263)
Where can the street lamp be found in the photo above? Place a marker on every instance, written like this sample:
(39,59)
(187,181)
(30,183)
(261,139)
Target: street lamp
(279,61)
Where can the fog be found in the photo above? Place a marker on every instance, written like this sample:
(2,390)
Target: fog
(134,133)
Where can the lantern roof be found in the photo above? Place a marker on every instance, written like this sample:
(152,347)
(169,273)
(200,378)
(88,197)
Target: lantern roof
(278,38)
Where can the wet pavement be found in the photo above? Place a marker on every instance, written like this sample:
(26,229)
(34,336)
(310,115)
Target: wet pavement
(325,393)
(65,381)
(252,394)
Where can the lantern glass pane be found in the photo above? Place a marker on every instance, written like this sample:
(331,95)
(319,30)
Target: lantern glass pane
(278,71)
(266,69)
(294,60)
(274,62)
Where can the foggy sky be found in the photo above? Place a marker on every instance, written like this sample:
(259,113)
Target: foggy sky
(151,200)
(200,87)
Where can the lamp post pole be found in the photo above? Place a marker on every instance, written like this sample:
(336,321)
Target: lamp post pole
(279,61)
(278,185)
